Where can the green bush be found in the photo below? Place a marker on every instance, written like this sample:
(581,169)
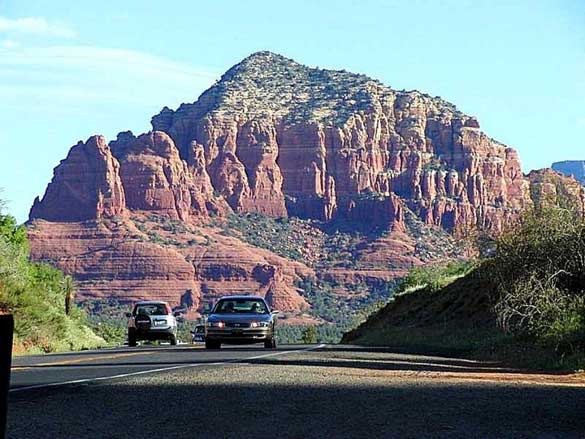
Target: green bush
(309,335)
(434,277)
(539,268)
(36,294)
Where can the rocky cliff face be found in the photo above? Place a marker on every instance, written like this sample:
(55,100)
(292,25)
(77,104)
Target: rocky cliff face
(551,188)
(575,168)
(86,185)
(328,140)
(141,257)
(279,139)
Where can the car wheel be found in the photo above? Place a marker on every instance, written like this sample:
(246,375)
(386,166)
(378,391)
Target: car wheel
(173,340)
(270,344)
(131,338)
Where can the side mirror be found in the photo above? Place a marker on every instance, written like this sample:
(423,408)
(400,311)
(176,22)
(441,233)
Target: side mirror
(128,314)
(275,313)
(177,313)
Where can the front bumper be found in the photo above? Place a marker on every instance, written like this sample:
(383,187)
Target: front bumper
(244,335)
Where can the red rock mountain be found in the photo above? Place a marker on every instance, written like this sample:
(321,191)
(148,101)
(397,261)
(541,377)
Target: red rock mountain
(276,138)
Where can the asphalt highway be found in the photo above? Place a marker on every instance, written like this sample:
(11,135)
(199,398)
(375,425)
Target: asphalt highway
(41,371)
(303,391)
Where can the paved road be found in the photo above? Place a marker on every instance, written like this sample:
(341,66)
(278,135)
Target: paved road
(40,371)
(326,391)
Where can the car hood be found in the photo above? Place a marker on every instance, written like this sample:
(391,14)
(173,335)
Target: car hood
(239,318)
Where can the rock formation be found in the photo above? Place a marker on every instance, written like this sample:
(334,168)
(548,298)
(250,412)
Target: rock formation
(86,185)
(328,139)
(276,138)
(116,259)
(551,188)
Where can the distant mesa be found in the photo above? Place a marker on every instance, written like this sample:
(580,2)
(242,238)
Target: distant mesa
(574,168)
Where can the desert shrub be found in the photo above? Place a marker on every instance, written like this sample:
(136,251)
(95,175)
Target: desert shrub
(276,235)
(309,335)
(113,334)
(539,270)
(342,312)
(287,334)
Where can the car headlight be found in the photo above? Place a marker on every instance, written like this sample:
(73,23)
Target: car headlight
(216,324)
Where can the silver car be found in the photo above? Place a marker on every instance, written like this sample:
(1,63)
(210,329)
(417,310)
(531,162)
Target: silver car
(240,320)
(152,320)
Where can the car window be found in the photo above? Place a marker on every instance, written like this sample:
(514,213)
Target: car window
(240,306)
(151,309)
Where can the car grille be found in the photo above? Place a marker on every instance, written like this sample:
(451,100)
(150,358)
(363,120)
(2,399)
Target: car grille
(238,324)
(243,334)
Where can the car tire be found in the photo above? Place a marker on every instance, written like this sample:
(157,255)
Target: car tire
(270,344)
(173,340)
(131,338)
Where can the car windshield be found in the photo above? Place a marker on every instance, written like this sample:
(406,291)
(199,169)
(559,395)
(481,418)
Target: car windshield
(240,306)
(151,309)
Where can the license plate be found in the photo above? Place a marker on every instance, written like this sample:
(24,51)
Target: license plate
(159,322)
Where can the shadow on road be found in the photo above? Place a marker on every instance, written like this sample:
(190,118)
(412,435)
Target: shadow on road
(300,406)
(436,365)
(332,356)
(396,365)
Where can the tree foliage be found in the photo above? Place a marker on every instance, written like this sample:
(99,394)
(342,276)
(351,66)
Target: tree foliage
(35,294)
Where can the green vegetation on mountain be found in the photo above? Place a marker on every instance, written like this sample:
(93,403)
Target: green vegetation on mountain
(39,297)
(525,304)
(298,93)
(315,243)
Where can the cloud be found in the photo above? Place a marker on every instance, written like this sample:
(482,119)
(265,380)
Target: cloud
(80,75)
(89,57)
(8,44)
(37,26)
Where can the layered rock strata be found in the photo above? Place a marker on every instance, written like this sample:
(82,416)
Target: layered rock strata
(279,139)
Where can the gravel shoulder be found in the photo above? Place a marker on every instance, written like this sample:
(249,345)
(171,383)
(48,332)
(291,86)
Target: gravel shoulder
(334,393)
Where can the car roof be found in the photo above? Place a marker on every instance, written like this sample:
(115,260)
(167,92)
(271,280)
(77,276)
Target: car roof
(241,296)
(151,302)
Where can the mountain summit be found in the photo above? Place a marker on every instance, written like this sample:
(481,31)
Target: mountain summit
(266,84)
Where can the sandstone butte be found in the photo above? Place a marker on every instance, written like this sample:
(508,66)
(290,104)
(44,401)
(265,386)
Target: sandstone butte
(279,139)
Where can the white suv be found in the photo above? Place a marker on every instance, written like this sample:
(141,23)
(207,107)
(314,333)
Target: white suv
(152,320)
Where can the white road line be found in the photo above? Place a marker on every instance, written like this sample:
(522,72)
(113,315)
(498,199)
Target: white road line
(164,369)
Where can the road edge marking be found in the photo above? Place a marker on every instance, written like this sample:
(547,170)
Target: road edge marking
(75,361)
(162,369)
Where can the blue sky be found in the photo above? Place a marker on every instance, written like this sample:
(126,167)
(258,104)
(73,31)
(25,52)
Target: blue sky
(72,69)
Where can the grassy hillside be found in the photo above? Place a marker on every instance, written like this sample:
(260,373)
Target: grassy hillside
(524,305)
(36,295)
